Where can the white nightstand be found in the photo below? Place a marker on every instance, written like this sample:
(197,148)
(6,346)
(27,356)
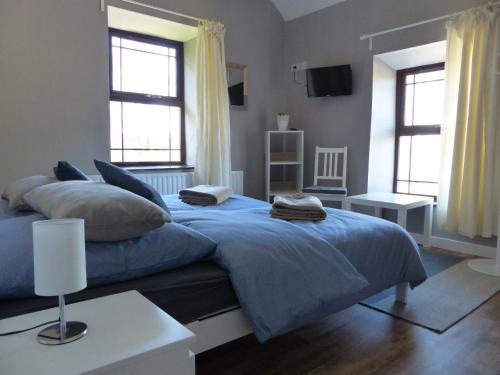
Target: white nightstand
(127,334)
(400,202)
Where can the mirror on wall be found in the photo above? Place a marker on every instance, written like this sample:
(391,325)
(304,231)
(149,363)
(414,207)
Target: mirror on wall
(237,85)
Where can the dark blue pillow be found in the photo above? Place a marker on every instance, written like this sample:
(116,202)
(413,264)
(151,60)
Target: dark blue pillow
(122,178)
(66,171)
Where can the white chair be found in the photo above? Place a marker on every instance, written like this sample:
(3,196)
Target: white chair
(330,171)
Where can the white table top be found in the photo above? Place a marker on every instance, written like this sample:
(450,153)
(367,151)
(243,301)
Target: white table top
(391,200)
(120,327)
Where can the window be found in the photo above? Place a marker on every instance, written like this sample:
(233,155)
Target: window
(419,113)
(146,100)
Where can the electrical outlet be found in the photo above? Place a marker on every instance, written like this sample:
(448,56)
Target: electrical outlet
(299,66)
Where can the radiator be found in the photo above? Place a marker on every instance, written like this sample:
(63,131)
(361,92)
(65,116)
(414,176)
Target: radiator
(171,183)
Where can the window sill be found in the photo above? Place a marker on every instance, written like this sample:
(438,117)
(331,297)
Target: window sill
(146,168)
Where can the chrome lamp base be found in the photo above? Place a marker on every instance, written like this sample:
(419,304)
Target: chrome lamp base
(52,335)
(62,332)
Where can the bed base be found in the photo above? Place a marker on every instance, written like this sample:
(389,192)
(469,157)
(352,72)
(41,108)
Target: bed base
(231,325)
(218,330)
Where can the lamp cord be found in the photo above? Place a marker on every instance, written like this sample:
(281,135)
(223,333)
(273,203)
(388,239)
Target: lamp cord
(28,329)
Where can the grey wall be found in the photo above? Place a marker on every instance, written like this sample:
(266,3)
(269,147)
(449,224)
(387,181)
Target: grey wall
(53,86)
(54,81)
(331,37)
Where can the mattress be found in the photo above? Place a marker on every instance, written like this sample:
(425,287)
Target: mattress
(188,293)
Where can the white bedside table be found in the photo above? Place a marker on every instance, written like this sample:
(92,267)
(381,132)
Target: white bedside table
(127,334)
(400,202)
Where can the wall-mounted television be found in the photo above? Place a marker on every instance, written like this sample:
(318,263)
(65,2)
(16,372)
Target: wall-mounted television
(329,81)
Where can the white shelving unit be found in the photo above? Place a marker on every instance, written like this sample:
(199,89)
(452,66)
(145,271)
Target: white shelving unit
(284,162)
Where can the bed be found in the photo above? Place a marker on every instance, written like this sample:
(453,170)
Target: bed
(234,289)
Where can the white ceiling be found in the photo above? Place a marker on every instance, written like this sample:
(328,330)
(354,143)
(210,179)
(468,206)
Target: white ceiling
(416,56)
(291,9)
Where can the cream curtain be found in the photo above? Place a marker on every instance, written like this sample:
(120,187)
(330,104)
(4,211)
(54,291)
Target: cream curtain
(213,154)
(468,201)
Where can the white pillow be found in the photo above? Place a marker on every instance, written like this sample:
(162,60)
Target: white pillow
(110,213)
(14,193)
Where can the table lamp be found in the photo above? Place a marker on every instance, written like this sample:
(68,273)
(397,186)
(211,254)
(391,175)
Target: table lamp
(59,265)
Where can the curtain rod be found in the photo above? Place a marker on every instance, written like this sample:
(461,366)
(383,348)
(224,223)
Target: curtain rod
(431,20)
(184,15)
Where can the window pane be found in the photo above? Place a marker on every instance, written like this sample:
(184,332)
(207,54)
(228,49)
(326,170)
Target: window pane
(176,155)
(172,75)
(116,156)
(425,154)
(175,128)
(404,158)
(115,117)
(409,105)
(410,78)
(402,187)
(116,68)
(141,129)
(146,155)
(429,76)
(144,73)
(115,41)
(146,47)
(428,109)
(145,126)
(422,188)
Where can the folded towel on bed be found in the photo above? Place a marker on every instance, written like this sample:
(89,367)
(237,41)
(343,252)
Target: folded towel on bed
(297,207)
(205,195)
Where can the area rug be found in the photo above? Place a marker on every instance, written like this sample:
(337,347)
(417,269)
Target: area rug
(446,297)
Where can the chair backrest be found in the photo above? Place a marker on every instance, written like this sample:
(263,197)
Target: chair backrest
(331,160)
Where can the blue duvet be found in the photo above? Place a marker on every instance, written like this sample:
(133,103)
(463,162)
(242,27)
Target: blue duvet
(287,274)
(169,247)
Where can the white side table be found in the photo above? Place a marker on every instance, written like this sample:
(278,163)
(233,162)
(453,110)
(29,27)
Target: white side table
(127,334)
(400,202)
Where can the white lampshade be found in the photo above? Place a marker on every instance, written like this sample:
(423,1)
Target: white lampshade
(59,257)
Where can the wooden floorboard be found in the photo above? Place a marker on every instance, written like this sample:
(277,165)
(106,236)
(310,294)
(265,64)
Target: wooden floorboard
(362,341)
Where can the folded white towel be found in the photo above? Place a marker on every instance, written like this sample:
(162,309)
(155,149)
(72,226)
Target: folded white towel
(298,202)
(205,194)
(297,207)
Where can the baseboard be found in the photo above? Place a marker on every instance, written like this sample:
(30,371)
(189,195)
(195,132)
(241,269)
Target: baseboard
(458,246)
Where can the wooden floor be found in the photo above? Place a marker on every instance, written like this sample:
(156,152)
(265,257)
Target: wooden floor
(362,341)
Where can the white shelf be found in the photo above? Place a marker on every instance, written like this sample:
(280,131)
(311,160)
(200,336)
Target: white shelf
(285,131)
(285,163)
(284,192)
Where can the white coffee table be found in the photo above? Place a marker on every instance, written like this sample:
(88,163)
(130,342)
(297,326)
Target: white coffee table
(400,202)
(127,334)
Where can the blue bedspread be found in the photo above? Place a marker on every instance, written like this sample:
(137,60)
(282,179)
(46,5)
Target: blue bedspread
(168,247)
(287,274)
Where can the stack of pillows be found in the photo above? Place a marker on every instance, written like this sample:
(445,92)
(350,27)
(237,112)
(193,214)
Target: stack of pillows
(124,207)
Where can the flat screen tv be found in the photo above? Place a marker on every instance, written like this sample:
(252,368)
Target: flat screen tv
(329,81)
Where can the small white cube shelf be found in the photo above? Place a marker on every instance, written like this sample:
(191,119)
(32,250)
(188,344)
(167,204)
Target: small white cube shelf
(284,162)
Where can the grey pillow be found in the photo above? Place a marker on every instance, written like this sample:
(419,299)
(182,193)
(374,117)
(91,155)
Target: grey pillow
(14,193)
(110,213)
